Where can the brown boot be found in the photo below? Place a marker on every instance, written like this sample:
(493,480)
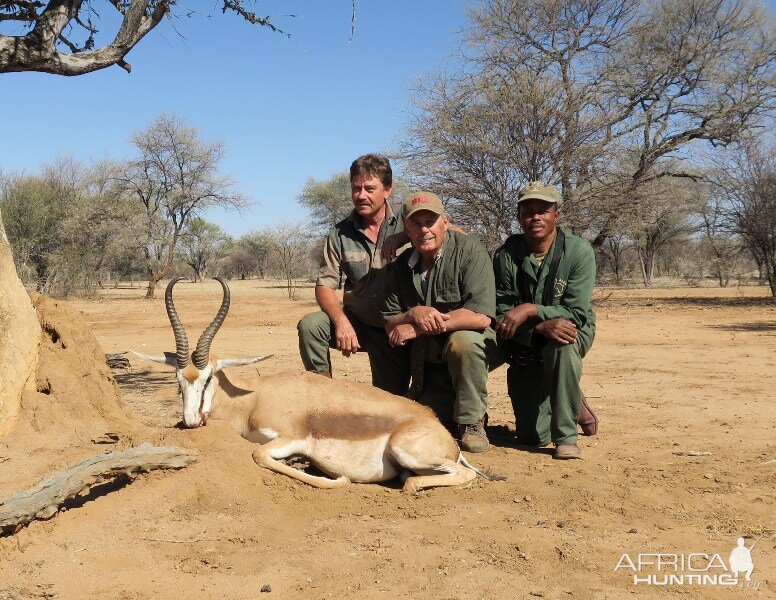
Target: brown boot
(567,451)
(473,437)
(588,422)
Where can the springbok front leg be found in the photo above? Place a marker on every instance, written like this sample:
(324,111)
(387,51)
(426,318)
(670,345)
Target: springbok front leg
(266,456)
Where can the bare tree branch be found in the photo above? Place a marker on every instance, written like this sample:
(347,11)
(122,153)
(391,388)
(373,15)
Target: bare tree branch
(42,48)
(599,97)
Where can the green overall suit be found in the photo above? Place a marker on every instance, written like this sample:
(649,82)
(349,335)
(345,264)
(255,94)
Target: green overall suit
(543,376)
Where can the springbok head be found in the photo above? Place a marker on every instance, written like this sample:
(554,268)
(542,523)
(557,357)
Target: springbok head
(196,372)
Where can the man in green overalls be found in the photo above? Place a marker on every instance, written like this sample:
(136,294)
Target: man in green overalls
(441,302)
(358,249)
(546,323)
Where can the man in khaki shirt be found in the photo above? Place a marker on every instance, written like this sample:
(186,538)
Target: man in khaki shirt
(358,250)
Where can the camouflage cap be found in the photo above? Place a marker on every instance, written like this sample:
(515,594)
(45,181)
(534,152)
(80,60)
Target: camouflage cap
(537,190)
(418,201)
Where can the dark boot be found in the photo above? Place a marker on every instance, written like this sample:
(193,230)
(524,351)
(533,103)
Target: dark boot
(588,422)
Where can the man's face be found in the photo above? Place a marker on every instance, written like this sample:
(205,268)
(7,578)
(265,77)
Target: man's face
(426,231)
(538,218)
(369,195)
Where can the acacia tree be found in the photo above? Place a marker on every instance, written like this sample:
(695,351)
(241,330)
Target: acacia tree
(720,240)
(62,33)
(661,217)
(615,252)
(328,201)
(289,243)
(250,255)
(63,224)
(33,211)
(746,181)
(559,89)
(204,246)
(174,178)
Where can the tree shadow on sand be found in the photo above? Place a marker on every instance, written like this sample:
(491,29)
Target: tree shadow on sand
(754,327)
(144,381)
(719,302)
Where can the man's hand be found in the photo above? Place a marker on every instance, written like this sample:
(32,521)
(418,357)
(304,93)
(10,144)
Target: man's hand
(428,319)
(513,318)
(558,330)
(401,334)
(392,244)
(347,340)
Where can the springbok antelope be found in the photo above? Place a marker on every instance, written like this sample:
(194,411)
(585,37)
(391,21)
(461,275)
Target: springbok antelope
(351,432)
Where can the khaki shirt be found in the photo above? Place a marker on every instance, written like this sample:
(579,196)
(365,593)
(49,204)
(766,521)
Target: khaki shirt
(350,255)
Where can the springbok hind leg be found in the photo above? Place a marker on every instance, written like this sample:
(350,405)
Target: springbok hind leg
(266,456)
(431,453)
(456,475)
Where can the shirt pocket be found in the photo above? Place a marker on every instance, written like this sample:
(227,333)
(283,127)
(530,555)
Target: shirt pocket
(355,265)
(448,298)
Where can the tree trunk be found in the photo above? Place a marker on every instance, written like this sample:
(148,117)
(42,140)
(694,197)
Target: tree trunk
(760,269)
(651,267)
(19,338)
(154,279)
(157,277)
(770,270)
(646,273)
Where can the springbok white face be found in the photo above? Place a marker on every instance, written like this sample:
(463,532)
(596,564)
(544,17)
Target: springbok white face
(197,389)
(196,373)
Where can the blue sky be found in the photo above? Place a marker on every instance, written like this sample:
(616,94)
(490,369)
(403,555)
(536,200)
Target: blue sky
(288,109)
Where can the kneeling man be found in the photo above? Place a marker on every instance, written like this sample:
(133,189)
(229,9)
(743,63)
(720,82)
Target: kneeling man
(544,288)
(441,301)
(358,250)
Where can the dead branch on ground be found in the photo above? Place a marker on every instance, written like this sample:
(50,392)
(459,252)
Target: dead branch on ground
(46,499)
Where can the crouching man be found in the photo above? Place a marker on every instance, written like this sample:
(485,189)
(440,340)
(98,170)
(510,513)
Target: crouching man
(546,323)
(441,303)
(358,250)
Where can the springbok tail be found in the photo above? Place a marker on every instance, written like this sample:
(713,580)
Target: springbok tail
(486,473)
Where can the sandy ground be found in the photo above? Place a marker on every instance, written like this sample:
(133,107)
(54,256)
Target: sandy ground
(671,371)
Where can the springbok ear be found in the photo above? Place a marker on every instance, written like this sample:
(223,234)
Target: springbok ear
(223,363)
(169,358)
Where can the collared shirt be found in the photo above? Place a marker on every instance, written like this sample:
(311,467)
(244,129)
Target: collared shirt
(574,282)
(350,255)
(423,277)
(460,278)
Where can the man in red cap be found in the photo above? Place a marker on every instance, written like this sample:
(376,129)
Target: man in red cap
(441,302)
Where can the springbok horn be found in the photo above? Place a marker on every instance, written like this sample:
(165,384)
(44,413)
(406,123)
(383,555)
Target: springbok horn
(181,341)
(201,355)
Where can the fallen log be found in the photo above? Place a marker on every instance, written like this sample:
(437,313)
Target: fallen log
(46,499)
